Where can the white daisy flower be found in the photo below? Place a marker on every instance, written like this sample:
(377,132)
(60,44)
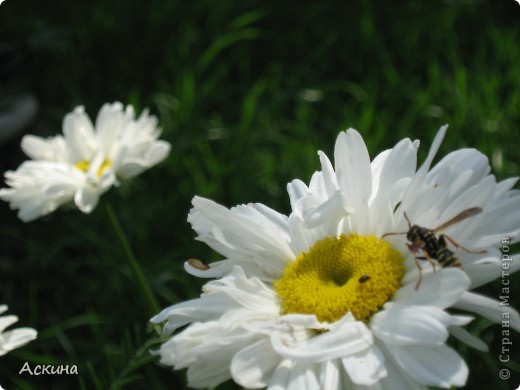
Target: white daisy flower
(319,300)
(15,338)
(84,162)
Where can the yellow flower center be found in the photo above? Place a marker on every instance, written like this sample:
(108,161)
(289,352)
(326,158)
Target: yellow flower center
(85,165)
(350,273)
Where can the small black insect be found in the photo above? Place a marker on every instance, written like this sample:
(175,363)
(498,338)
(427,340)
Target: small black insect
(363,279)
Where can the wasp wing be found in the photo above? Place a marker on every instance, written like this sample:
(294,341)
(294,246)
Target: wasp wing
(459,217)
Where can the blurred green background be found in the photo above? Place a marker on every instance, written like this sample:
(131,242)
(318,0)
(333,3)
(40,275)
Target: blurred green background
(246,92)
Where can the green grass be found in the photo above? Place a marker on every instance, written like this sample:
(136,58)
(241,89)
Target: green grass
(246,92)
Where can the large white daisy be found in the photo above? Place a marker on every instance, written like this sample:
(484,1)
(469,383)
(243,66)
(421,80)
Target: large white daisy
(319,300)
(14,338)
(84,162)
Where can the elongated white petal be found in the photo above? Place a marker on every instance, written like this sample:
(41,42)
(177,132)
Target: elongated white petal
(233,233)
(354,175)
(38,188)
(224,267)
(365,367)
(437,366)
(79,135)
(86,199)
(403,325)
(330,375)
(397,377)
(351,338)
(329,176)
(466,337)
(253,366)
(14,338)
(496,311)
(398,162)
(441,289)
(353,167)
(418,181)
(303,376)
(51,149)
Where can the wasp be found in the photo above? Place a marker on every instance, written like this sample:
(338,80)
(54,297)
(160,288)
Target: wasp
(433,247)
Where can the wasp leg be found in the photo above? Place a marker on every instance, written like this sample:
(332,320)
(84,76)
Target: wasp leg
(425,257)
(420,272)
(442,241)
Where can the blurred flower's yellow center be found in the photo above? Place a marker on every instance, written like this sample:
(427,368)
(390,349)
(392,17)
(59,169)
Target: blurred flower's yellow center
(350,273)
(85,165)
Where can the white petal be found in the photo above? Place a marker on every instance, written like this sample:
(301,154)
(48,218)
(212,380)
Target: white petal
(326,211)
(354,174)
(232,234)
(133,166)
(501,222)
(485,270)
(248,292)
(211,366)
(377,165)
(79,135)
(365,367)
(399,163)
(496,311)
(329,176)
(86,198)
(15,338)
(157,152)
(418,181)
(352,338)
(221,268)
(441,289)
(297,191)
(196,310)
(289,376)
(281,376)
(438,366)
(353,166)
(7,321)
(253,366)
(404,325)
(330,375)
(39,187)
(397,377)
(466,337)
(110,122)
(303,376)
(37,148)
(232,292)
(394,177)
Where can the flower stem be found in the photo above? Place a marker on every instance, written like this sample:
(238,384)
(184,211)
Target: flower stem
(151,301)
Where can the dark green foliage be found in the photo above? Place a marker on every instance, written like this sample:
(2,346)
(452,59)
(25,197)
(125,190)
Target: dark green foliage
(246,92)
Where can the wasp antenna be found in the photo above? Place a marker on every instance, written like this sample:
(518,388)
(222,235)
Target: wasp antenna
(393,234)
(407,220)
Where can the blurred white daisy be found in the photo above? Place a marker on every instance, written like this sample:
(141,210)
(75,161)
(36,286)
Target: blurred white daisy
(318,300)
(84,162)
(14,338)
